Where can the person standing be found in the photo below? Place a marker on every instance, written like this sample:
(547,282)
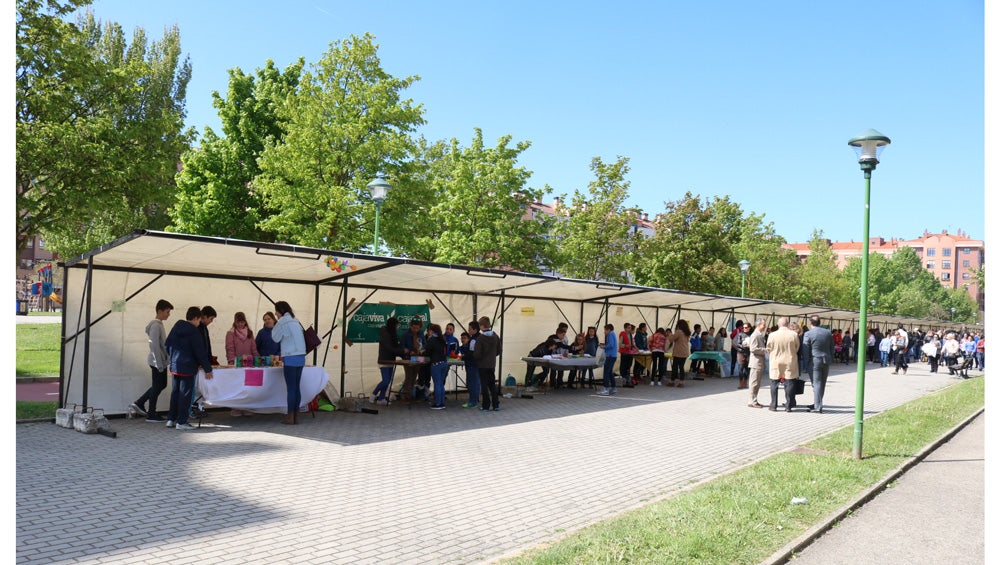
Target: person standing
(733,350)
(610,356)
(625,349)
(266,345)
(488,347)
(239,339)
(437,350)
(754,347)
(783,349)
(413,346)
(389,347)
(468,351)
(157,361)
(657,347)
(208,315)
(289,334)
(902,347)
(818,343)
(641,342)
(981,352)
(593,343)
(680,342)
(741,355)
(186,348)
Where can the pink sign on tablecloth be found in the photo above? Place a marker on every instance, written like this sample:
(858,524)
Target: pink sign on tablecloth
(253,377)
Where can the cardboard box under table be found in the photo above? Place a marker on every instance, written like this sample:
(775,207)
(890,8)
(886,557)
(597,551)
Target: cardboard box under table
(258,389)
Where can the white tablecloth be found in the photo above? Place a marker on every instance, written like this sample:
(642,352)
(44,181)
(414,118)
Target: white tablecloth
(239,388)
(562,362)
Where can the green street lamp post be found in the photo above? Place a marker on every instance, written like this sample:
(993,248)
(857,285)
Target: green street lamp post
(868,146)
(378,187)
(744,267)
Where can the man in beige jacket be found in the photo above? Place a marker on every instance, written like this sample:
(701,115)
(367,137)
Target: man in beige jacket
(783,348)
(757,350)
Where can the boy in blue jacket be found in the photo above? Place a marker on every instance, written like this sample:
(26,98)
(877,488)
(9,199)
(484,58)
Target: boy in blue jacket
(186,348)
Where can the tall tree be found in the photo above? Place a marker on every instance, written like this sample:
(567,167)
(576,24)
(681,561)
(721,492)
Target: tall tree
(691,249)
(346,123)
(595,236)
(479,205)
(99,127)
(214,195)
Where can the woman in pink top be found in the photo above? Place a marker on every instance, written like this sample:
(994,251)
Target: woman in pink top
(680,340)
(239,339)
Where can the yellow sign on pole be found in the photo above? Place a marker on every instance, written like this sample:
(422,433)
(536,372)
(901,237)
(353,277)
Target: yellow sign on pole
(527,311)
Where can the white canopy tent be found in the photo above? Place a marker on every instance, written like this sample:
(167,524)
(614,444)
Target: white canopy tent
(110,294)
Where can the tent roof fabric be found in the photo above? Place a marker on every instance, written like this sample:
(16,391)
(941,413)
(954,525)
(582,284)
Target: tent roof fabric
(213,257)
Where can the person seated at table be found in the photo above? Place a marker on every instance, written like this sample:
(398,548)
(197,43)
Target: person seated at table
(266,345)
(578,347)
(547,347)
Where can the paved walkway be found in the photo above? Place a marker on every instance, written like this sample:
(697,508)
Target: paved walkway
(403,486)
(934,513)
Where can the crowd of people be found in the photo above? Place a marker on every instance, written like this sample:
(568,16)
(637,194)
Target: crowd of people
(478,348)
(187,348)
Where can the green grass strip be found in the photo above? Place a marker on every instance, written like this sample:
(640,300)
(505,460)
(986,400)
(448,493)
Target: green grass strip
(37,350)
(746,516)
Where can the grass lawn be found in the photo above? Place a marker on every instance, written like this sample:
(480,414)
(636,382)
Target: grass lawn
(30,410)
(38,350)
(745,516)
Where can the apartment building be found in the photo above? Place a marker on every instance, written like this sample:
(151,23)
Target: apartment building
(951,258)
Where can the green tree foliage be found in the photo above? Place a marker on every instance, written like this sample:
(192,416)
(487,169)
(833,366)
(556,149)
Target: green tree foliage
(595,236)
(99,127)
(478,206)
(818,281)
(214,195)
(691,249)
(346,123)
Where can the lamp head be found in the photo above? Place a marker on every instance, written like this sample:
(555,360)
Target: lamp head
(378,187)
(868,146)
(744,266)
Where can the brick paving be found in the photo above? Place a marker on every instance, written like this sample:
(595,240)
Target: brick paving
(409,485)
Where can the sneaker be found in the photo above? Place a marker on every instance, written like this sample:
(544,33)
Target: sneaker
(614,391)
(483,409)
(496,408)
(470,405)
(383,402)
(135,406)
(659,383)
(155,418)
(604,392)
(437,406)
(184,427)
(170,423)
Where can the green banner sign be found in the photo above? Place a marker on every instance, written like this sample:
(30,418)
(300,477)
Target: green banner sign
(367,321)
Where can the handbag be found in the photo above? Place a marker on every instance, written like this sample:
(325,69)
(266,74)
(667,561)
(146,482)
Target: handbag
(798,386)
(312,340)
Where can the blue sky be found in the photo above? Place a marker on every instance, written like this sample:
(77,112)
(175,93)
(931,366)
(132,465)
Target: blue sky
(755,100)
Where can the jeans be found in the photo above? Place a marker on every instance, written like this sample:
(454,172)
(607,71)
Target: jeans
(625,367)
(901,361)
(531,380)
(382,390)
(293,382)
(180,399)
(488,383)
(609,373)
(980,360)
(820,372)
(677,369)
(885,357)
(439,371)
(472,383)
(659,367)
(153,393)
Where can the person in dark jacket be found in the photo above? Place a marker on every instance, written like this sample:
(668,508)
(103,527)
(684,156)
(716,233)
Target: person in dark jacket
(389,347)
(208,315)
(488,347)
(547,347)
(186,348)
(468,351)
(437,350)
(266,345)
